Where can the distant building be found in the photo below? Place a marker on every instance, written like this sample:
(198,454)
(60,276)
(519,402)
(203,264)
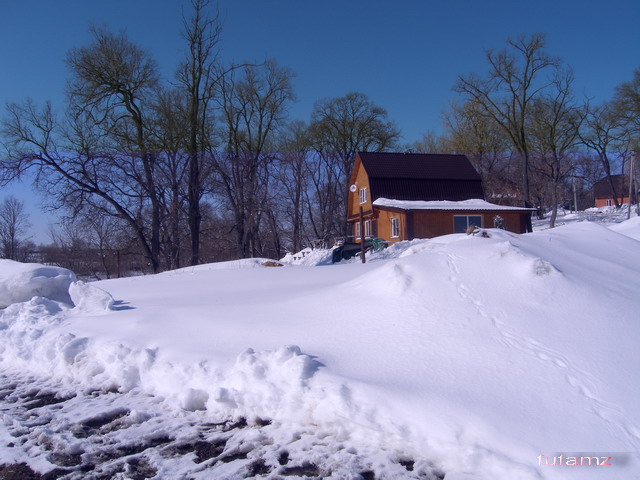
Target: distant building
(603,193)
(415,195)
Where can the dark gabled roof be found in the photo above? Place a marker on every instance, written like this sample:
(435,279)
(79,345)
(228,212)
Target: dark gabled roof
(421,176)
(602,188)
(422,166)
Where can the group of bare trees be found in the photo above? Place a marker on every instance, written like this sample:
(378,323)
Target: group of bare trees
(157,173)
(201,167)
(528,135)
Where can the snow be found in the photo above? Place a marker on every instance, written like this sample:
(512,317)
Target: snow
(471,355)
(88,298)
(20,282)
(603,215)
(473,204)
(309,257)
(630,228)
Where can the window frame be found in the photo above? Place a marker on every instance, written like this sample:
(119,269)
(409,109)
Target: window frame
(395,227)
(367,228)
(481,217)
(357,230)
(363,195)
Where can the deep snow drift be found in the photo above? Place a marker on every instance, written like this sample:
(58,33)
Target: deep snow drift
(476,354)
(20,282)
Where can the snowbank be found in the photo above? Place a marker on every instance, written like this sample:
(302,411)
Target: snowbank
(630,228)
(477,354)
(20,282)
(310,257)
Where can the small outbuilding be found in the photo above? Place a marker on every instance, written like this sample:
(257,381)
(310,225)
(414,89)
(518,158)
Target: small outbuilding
(402,196)
(603,190)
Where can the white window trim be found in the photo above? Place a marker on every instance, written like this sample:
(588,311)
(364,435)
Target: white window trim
(357,231)
(395,221)
(363,195)
(367,228)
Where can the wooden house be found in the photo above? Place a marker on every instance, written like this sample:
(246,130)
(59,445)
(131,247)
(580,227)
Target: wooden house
(603,194)
(403,196)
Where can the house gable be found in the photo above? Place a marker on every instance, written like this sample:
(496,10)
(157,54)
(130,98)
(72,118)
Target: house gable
(360,179)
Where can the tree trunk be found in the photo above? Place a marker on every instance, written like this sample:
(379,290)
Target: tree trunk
(554,209)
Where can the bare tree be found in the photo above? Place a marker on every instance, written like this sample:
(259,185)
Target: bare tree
(112,83)
(555,123)
(172,174)
(293,179)
(340,128)
(505,95)
(627,103)
(198,75)
(254,106)
(101,154)
(14,227)
(433,143)
(469,131)
(604,132)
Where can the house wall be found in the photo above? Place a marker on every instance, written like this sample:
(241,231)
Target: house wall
(384,225)
(360,179)
(428,224)
(602,202)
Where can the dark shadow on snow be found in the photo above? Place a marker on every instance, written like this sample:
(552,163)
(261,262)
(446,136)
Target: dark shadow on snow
(120,305)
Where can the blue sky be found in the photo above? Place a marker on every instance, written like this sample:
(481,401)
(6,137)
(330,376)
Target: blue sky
(405,55)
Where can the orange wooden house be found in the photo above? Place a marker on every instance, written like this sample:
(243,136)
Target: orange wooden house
(603,193)
(404,196)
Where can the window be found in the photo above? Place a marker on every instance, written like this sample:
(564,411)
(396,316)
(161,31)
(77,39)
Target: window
(363,195)
(609,202)
(395,227)
(367,228)
(357,230)
(462,222)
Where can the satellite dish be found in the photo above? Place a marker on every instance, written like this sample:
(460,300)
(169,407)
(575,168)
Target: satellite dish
(353,188)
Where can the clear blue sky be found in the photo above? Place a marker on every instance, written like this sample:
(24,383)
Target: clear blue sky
(405,55)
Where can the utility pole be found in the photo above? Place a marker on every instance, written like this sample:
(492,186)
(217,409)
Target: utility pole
(362,235)
(632,160)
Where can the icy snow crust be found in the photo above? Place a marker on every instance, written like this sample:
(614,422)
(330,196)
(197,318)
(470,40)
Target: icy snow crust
(475,354)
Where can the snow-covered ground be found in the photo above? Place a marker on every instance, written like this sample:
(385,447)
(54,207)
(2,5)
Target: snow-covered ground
(608,216)
(461,357)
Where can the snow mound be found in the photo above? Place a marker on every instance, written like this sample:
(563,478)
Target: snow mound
(310,257)
(476,353)
(19,282)
(630,228)
(266,383)
(88,298)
